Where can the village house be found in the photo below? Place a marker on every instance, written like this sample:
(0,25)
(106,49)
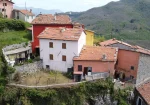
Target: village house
(132,61)
(6,8)
(23,15)
(48,20)
(142,94)
(93,60)
(58,46)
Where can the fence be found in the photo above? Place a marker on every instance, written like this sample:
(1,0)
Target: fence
(97,76)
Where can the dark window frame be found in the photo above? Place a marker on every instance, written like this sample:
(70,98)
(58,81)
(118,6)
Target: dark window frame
(132,68)
(79,67)
(51,45)
(63,45)
(64,58)
(4,4)
(47,67)
(51,56)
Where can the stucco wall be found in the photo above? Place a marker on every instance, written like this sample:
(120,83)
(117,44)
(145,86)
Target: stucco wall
(72,49)
(97,66)
(89,38)
(9,8)
(143,69)
(126,59)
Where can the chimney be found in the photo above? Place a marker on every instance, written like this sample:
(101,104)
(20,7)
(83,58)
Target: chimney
(30,10)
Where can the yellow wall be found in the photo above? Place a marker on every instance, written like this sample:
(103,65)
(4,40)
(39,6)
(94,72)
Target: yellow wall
(89,37)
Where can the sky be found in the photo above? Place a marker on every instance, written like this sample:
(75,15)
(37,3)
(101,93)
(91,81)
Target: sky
(63,5)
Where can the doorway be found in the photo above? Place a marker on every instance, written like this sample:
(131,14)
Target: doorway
(85,71)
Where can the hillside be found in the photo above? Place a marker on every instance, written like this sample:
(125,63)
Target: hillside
(127,19)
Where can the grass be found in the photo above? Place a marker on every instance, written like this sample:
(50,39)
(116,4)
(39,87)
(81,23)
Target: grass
(14,37)
(44,78)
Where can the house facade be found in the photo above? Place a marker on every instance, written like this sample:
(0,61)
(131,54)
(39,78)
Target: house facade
(6,8)
(48,20)
(58,46)
(94,60)
(132,61)
(23,15)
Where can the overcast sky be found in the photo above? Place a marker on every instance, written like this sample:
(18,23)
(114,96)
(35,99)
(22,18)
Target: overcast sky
(63,5)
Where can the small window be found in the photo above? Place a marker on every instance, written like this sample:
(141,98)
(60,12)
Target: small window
(63,45)
(51,56)
(4,4)
(47,66)
(132,67)
(17,17)
(63,58)
(3,10)
(89,69)
(6,16)
(79,67)
(50,44)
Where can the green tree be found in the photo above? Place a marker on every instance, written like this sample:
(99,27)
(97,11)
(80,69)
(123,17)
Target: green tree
(1,15)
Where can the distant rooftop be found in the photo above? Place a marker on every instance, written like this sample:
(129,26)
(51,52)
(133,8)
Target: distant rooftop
(115,41)
(25,12)
(52,19)
(61,33)
(98,53)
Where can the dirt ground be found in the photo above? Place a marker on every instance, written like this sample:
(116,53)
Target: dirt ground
(44,78)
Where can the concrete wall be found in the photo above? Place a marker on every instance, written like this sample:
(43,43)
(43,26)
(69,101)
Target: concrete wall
(72,49)
(126,59)
(143,69)
(9,8)
(97,66)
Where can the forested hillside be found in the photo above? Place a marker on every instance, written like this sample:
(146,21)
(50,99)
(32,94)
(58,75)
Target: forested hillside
(127,20)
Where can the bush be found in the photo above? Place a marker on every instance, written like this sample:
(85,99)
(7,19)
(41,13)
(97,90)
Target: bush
(17,77)
(11,24)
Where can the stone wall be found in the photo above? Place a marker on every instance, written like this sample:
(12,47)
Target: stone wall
(143,69)
(30,68)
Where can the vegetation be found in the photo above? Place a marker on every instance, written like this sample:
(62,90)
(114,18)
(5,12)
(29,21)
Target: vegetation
(127,20)
(69,95)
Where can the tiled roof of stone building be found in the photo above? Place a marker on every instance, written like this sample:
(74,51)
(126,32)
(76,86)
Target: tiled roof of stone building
(136,48)
(61,33)
(144,91)
(97,53)
(52,19)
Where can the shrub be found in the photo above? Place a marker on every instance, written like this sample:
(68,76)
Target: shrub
(17,77)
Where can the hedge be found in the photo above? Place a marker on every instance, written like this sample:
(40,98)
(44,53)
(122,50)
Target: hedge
(11,24)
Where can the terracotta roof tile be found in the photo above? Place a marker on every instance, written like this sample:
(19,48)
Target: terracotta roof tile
(61,33)
(25,12)
(52,19)
(136,48)
(98,53)
(144,90)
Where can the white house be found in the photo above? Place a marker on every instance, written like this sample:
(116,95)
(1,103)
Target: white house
(23,15)
(58,47)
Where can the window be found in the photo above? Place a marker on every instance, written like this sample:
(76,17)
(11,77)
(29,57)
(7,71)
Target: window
(47,66)
(139,101)
(63,45)
(6,16)
(63,58)
(50,44)
(51,56)
(4,4)
(3,10)
(17,17)
(79,67)
(89,69)
(132,67)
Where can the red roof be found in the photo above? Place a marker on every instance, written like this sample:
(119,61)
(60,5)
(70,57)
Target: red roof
(8,1)
(144,91)
(61,33)
(97,53)
(52,19)
(136,48)
(25,12)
